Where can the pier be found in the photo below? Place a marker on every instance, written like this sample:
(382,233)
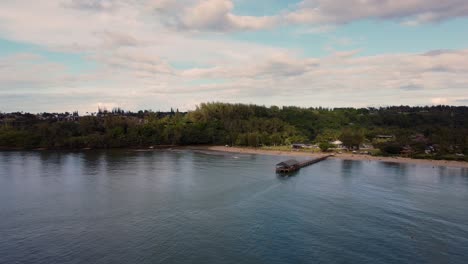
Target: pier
(294,165)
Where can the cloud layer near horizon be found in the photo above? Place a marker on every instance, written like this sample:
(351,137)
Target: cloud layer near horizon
(158,54)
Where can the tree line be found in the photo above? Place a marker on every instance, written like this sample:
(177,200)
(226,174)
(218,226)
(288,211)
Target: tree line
(435,130)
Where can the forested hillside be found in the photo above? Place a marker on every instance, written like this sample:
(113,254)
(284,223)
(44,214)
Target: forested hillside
(442,130)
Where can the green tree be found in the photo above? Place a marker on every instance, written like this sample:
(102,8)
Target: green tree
(352,139)
(325,146)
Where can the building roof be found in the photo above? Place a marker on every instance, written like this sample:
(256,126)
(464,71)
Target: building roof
(288,163)
(384,136)
(337,142)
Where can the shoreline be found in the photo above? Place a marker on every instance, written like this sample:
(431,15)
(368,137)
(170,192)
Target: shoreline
(343,156)
(284,153)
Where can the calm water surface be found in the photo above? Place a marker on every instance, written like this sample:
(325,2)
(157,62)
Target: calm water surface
(188,207)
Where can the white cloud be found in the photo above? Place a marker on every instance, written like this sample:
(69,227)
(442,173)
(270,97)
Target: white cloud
(91,5)
(412,12)
(27,71)
(217,15)
(210,15)
(135,81)
(139,61)
(276,65)
(439,101)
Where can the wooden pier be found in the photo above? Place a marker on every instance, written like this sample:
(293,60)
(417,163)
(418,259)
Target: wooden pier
(294,165)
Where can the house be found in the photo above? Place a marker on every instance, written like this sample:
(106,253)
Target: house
(298,146)
(407,151)
(366,146)
(429,150)
(337,144)
(384,137)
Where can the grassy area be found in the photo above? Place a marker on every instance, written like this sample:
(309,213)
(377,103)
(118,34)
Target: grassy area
(289,148)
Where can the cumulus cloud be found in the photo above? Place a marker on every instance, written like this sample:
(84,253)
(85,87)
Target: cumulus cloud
(211,15)
(136,80)
(346,80)
(27,71)
(411,12)
(277,65)
(117,39)
(91,5)
(133,61)
(217,15)
(143,63)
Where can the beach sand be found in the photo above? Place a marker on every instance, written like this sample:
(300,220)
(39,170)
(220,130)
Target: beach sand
(343,156)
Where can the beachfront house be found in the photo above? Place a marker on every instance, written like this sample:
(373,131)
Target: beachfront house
(298,146)
(337,144)
(301,146)
(407,151)
(384,137)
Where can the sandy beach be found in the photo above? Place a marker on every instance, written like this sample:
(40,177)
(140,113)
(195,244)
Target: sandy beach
(347,156)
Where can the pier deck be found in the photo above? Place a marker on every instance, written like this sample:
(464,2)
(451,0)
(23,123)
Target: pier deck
(293,165)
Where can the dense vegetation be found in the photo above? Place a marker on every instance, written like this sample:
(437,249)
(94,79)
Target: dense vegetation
(438,131)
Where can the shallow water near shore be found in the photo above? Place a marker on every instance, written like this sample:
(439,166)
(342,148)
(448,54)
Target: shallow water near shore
(186,206)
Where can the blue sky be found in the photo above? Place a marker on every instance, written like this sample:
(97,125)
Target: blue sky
(370,36)
(263,7)
(65,55)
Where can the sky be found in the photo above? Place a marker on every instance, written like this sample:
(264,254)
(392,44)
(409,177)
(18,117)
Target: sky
(67,55)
